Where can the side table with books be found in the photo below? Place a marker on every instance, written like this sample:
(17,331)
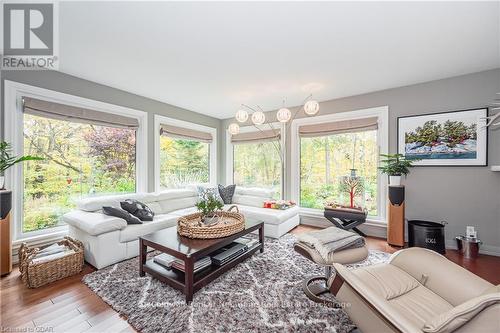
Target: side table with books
(190,264)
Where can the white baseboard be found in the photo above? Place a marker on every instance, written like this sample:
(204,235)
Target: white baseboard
(378,229)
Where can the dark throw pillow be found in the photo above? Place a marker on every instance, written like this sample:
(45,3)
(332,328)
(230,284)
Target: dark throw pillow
(227,193)
(118,212)
(138,209)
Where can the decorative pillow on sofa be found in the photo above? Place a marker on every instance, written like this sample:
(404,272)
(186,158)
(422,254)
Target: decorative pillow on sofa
(121,213)
(202,191)
(227,193)
(138,209)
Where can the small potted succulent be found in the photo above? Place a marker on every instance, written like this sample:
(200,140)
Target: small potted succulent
(208,206)
(396,165)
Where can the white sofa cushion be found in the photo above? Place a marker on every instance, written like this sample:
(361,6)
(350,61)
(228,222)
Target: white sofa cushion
(184,211)
(171,205)
(268,215)
(92,204)
(254,191)
(249,200)
(175,194)
(94,223)
(134,231)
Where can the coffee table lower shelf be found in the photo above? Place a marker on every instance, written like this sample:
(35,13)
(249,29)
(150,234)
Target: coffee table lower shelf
(176,278)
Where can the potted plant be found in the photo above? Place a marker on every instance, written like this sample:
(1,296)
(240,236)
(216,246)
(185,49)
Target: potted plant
(7,160)
(396,165)
(208,206)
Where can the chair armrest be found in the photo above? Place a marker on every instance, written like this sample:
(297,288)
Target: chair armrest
(440,275)
(94,223)
(378,304)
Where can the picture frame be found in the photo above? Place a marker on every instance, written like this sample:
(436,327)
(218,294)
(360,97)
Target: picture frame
(451,138)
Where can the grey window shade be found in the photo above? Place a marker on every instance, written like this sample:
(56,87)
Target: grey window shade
(338,127)
(258,136)
(58,111)
(185,133)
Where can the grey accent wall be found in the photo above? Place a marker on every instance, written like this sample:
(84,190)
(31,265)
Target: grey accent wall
(460,195)
(68,84)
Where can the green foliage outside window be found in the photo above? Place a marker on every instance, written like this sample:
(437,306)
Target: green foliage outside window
(324,160)
(80,160)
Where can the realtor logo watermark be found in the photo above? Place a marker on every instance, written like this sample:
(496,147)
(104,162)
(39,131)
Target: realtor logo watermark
(29,36)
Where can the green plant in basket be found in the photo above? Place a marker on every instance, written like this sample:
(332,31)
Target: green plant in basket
(208,205)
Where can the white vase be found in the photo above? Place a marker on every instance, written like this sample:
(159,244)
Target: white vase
(2,182)
(394,180)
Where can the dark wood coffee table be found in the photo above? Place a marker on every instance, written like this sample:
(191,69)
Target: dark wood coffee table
(190,250)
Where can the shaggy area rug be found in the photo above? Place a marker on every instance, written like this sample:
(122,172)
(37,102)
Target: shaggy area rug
(264,293)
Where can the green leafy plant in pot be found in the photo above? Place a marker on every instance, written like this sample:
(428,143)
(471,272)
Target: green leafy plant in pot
(208,206)
(396,165)
(7,160)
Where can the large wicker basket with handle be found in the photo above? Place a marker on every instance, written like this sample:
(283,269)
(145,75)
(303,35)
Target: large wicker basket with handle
(228,223)
(35,275)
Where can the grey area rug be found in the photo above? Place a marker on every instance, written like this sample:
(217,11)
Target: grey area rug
(264,293)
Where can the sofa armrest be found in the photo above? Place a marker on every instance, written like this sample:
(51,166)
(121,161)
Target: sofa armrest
(94,223)
(440,275)
(378,304)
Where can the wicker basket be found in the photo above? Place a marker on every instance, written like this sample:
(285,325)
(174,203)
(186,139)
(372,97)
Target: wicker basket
(229,223)
(35,275)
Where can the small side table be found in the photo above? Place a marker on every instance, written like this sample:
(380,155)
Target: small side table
(346,218)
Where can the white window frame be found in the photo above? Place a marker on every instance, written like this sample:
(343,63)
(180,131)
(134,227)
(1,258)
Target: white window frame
(14,127)
(250,129)
(382,114)
(159,120)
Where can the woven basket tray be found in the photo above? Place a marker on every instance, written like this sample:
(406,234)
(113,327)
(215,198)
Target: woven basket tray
(229,223)
(35,275)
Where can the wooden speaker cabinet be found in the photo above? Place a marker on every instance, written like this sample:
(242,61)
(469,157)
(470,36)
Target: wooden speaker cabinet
(396,216)
(5,238)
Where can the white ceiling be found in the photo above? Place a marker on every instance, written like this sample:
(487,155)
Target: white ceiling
(211,57)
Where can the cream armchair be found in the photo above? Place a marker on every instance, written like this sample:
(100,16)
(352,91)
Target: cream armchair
(418,290)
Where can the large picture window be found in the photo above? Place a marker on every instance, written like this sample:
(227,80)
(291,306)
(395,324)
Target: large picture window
(257,165)
(80,160)
(183,162)
(325,162)
(334,159)
(185,153)
(256,159)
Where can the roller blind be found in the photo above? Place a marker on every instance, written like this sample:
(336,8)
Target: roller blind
(185,133)
(338,127)
(58,111)
(257,136)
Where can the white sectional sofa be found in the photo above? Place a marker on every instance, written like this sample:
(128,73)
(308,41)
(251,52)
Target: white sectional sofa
(108,239)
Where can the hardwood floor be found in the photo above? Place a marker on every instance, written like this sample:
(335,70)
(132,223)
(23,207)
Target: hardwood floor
(69,306)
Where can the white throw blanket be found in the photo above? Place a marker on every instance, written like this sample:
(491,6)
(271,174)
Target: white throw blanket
(330,240)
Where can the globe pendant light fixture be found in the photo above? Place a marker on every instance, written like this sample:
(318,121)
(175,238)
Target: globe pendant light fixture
(258,118)
(311,107)
(283,115)
(233,129)
(241,116)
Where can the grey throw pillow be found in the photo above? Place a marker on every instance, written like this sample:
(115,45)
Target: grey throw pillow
(227,193)
(121,213)
(138,209)
(202,191)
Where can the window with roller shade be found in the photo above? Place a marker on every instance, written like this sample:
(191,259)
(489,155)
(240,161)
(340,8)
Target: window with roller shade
(86,153)
(256,160)
(329,152)
(184,156)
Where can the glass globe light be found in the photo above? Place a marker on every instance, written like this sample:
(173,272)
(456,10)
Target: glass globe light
(233,129)
(311,108)
(258,118)
(241,116)
(283,115)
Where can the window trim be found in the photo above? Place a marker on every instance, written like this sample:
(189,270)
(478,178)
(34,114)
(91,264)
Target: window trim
(230,153)
(158,120)
(14,91)
(382,113)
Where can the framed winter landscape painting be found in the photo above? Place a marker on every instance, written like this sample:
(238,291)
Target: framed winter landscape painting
(456,138)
